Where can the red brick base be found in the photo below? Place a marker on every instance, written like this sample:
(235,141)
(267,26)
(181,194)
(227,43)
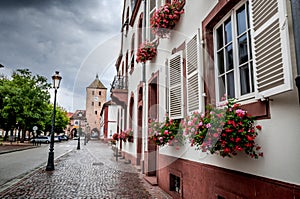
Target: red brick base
(205,181)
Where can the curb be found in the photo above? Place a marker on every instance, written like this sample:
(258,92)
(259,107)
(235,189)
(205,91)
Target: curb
(14,150)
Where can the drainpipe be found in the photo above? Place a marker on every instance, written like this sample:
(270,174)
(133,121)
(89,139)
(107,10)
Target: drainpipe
(144,95)
(144,38)
(295,4)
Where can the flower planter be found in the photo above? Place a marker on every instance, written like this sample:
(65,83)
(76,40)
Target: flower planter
(165,18)
(146,51)
(165,133)
(223,131)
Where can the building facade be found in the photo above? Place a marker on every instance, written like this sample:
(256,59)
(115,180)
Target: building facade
(218,49)
(95,98)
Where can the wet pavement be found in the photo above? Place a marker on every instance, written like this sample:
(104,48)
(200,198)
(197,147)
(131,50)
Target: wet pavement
(91,172)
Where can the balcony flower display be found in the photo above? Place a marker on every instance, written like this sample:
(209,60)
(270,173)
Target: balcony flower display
(146,51)
(126,135)
(129,133)
(224,131)
(167,132)
(123,136)
(115,137)
(165,18)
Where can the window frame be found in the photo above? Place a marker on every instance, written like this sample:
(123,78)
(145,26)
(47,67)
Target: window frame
(157,3)
(235,52)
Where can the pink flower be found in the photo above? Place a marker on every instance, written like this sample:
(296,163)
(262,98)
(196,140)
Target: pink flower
(208,125)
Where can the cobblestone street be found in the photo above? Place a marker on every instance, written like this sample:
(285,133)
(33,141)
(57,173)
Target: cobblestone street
(91,172)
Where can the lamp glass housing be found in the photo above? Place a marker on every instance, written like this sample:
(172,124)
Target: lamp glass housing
(56,80)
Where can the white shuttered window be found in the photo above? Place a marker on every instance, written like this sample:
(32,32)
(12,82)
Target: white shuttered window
(176,103)
(193,74)
(272,58)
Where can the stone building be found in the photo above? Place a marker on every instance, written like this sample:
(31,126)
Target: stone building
(95,98)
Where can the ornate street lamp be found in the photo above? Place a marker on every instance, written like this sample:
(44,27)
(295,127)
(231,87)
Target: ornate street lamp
(56,82)
(79,129)
(85,131)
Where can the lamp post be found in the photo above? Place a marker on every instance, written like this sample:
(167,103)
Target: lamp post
(79,129)
(85,134)
(56,82)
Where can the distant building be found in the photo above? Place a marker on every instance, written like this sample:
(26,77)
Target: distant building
(95,98)
(109,115)
(75,121)
(68,129)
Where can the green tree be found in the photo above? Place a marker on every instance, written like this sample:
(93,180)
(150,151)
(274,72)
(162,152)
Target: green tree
(24,101)
(61,119)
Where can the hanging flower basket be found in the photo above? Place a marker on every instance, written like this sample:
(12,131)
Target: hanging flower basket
(123,136)
(115,137)
(146,51)
(223,131)
(167,132)
(129,133)
(126,135)
(165,18)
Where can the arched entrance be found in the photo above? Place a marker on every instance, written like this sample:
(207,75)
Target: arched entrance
(151,154)
(140,126)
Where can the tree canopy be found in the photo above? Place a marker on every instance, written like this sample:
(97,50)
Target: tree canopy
(25,102)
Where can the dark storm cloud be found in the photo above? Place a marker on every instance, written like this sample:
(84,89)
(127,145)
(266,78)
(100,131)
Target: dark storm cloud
(49,35)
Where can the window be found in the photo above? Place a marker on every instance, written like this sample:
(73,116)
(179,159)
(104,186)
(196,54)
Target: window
(92,103)
(234,63)
(99,103)
(93,92)
(153,5)
(175,183)
(95,112)
(175,86)
(99,92)
(194,86)
(132,53)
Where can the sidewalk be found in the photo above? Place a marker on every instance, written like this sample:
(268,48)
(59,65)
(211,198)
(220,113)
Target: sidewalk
(7,147)
(91,172)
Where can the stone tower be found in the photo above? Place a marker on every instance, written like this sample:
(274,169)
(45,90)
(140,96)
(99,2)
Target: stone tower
(95,98)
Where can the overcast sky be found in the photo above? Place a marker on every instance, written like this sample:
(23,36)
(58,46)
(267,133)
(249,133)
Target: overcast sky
(78,38)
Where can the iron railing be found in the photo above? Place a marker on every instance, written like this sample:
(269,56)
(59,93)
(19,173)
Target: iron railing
(120,82)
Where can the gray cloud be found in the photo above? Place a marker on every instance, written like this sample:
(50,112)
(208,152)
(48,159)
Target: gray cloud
(50,35)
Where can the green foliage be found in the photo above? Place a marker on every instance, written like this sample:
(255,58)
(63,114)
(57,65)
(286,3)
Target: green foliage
(224,131)
(25,101)
(168,132)
(61,119)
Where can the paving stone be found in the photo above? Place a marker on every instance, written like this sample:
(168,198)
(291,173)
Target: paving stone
(91,172)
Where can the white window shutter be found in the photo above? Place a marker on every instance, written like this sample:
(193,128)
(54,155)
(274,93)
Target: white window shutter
(176,103)
(272,58)
(193,72)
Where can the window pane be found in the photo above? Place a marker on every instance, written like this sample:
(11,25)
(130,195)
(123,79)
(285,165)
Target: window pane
(243,50)
(244,78)
(230,85)
(252,80)
(228,31)
(152,4)
(250,47)
(221,62)
(221,87)
(220,37)
(241,20)
(229,58)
